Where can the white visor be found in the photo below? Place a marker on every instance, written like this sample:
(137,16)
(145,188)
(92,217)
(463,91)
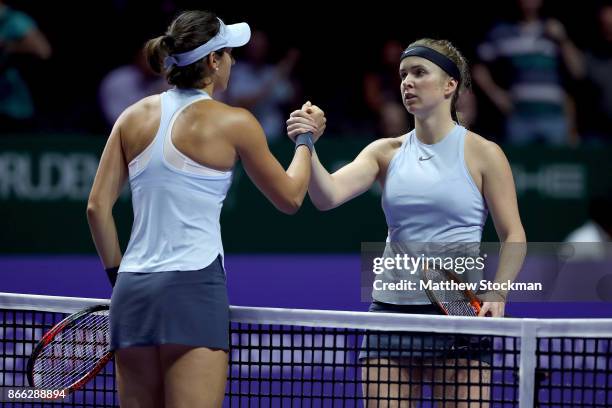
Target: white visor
(229,36)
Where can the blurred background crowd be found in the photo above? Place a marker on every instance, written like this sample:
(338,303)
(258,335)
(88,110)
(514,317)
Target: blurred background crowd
(540,69)
(541,87)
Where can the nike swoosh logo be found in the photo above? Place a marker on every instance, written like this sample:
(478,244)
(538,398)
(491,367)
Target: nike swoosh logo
(425,158)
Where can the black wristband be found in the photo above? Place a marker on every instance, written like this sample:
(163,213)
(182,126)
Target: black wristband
(112,275)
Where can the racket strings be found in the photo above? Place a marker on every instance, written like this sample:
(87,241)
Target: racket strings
(72,356)
(455,302)
(73,352)
(83,342)
(459,308)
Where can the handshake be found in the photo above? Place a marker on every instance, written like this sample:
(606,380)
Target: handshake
(308,119)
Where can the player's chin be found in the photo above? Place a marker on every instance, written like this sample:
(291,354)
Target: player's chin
(410,107)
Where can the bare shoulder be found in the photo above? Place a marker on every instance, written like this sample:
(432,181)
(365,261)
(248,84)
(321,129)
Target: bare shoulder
(382,151)
(227,119)
(212,106)
(146,109)
(483,151)
(224,112)
(382,148)
(483,147)
(144,106)
(141,119)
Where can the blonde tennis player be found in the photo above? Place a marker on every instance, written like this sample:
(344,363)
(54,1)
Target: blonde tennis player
(439,183)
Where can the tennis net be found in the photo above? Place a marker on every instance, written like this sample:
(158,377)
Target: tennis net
(314,358)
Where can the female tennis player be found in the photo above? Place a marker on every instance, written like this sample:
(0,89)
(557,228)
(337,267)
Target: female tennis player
(169,308)
(438,182)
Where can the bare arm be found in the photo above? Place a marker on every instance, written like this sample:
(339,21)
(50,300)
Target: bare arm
(285,189)
(328,191)
(500,194)
(501,99)
(572,56)
(570,112)
(33,43)
(110,178)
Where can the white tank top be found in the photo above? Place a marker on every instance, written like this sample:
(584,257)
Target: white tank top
(430,197)
(177,202)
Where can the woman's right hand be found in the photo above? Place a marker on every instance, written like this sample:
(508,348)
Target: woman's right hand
(308,119)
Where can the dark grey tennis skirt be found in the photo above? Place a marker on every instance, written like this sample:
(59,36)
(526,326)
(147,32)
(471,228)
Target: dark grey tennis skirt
(407,345)
(177,307)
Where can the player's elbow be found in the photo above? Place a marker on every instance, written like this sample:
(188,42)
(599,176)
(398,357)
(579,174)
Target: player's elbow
(291,210)
(289,205)
(96,208)
(288,208)
(93,211)
(323,205)
(515,234)
(518,236)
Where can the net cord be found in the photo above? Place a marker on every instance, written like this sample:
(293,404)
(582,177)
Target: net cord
(598,328)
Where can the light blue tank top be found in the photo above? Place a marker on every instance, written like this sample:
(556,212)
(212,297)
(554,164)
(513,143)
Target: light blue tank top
(429,197)
(177,202)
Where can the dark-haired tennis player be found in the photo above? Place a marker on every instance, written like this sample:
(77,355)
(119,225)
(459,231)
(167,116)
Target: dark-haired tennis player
(169,309)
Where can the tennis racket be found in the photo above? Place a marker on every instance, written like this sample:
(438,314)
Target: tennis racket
(453,302)
(72,352)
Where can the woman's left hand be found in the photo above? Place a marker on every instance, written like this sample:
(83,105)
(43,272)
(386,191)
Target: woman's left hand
(492,309)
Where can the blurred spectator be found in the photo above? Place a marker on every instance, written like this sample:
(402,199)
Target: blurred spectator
(263,88)
(19,38)
(382,93)
(128,84)
(393,120)
(527,57)
(383,85)
(596,69)
(597,229)
(467,108)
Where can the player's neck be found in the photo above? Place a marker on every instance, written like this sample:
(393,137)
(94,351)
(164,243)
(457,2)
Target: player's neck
(433,128)
(209,89)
